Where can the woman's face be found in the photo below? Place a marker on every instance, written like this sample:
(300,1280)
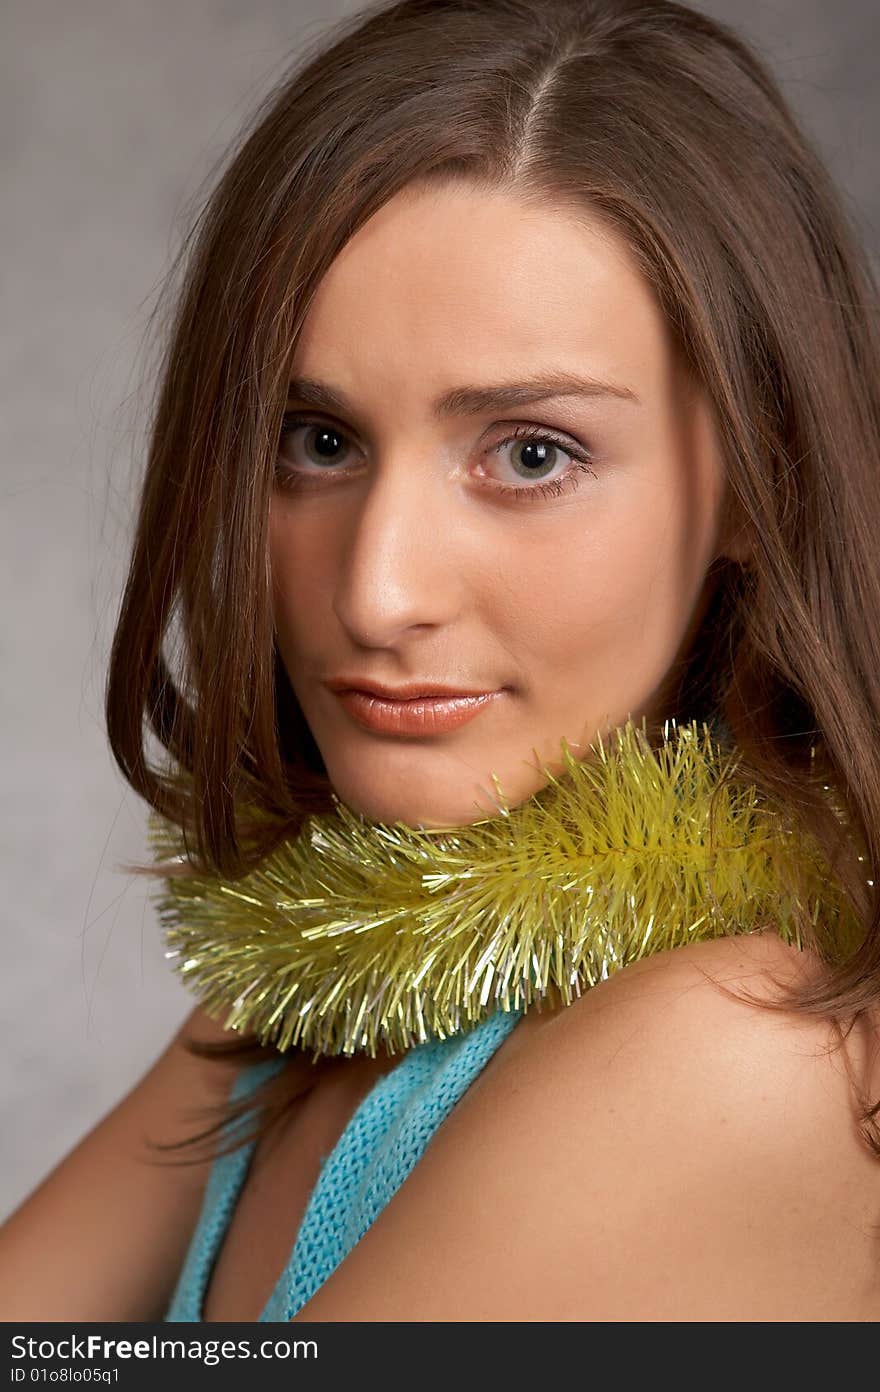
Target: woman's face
(455,324)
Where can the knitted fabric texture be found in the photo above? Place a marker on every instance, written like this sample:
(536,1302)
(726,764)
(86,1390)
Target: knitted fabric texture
(385,1137)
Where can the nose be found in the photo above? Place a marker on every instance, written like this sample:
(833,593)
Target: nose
(401,563)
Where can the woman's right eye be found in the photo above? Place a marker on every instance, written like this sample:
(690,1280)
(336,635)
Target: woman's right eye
(323,443)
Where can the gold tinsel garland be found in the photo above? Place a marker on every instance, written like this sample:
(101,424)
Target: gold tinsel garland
(356,933)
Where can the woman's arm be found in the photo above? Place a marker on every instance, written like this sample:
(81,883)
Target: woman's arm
(104,1235)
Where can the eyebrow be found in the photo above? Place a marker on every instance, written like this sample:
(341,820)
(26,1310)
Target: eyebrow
(462,401)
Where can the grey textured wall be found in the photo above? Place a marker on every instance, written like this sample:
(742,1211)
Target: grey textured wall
(111,114)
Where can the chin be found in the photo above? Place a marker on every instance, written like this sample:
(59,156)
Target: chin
(432,811)
(436,786)
(417,815)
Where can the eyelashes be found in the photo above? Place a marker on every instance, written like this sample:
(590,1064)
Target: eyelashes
(290,478)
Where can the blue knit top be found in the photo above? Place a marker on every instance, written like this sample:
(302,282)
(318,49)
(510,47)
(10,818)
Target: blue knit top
(383,1140)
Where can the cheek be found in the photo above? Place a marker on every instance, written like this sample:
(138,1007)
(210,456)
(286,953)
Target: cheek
(610,603)
(296,559)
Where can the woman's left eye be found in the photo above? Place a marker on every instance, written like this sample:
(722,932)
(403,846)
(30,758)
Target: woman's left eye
(536,456)
(534,441)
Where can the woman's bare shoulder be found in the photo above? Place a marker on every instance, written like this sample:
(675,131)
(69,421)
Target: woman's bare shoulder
(659,1149)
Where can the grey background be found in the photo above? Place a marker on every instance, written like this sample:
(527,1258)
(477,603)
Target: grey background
(112,114)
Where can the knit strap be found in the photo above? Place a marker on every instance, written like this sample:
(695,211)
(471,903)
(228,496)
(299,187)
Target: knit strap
(383,1141)
(385,1137)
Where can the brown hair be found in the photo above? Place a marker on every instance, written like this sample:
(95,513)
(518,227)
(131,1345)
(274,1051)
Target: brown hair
(662,122)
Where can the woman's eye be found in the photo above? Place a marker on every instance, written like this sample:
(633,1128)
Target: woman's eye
(537,458)
(537,455)
(323,444)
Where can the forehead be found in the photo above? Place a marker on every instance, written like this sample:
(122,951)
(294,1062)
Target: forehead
(451,282)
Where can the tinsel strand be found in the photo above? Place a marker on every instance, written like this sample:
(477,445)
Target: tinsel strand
(356,934)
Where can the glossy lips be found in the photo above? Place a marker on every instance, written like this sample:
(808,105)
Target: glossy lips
(420,715)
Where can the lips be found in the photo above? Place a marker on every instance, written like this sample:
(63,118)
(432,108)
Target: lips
(418,715)
(408,692)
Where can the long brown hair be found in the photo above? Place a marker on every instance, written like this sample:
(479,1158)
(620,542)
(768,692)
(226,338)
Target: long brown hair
(663,123)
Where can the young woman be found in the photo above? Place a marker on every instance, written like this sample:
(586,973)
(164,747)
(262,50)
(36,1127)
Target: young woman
(523,384)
